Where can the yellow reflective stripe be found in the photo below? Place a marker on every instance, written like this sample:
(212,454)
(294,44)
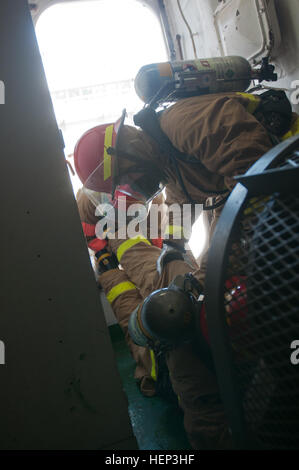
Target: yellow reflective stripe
(153,370)
(254,101)
(128,244)
(174,230)
(119,289)
(295,127)
(107,157)
(293,131)
(287,135)
(256,205)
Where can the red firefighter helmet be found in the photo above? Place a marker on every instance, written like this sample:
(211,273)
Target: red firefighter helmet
(95,165)
(92,161)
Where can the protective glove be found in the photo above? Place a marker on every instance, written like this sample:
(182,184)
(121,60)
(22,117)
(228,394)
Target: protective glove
(105,261)
(171,251)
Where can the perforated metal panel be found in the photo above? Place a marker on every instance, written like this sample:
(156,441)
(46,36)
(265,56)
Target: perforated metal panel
(258,300)
(261,304)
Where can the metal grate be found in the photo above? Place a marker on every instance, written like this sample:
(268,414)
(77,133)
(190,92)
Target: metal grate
(292,160)
(261,298)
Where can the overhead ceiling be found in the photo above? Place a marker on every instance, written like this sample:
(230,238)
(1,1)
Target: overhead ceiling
(38,6)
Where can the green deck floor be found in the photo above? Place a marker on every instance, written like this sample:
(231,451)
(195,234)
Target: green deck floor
(157,424)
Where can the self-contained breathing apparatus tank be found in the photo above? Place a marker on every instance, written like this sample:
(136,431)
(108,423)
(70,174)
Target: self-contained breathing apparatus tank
(159,84)
(169,81)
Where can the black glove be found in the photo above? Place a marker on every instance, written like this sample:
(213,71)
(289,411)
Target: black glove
(105,261)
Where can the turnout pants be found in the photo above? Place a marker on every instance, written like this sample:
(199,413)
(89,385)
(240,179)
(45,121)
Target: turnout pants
(193,383)
(124,297)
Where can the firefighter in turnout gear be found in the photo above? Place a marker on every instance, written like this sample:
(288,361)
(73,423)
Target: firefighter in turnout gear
(206,141)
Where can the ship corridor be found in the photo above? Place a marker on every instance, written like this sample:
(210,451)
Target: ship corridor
(66,373)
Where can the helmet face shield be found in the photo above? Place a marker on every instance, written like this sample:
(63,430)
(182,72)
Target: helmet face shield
(109,206)
(142,180)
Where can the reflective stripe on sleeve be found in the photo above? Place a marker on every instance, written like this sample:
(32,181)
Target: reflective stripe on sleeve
(119,289)
(175,230)
(254,101)
(126,245)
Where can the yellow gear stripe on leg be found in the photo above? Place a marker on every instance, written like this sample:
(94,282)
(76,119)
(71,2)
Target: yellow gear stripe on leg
(153,369)
(119,289)
(126,245)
